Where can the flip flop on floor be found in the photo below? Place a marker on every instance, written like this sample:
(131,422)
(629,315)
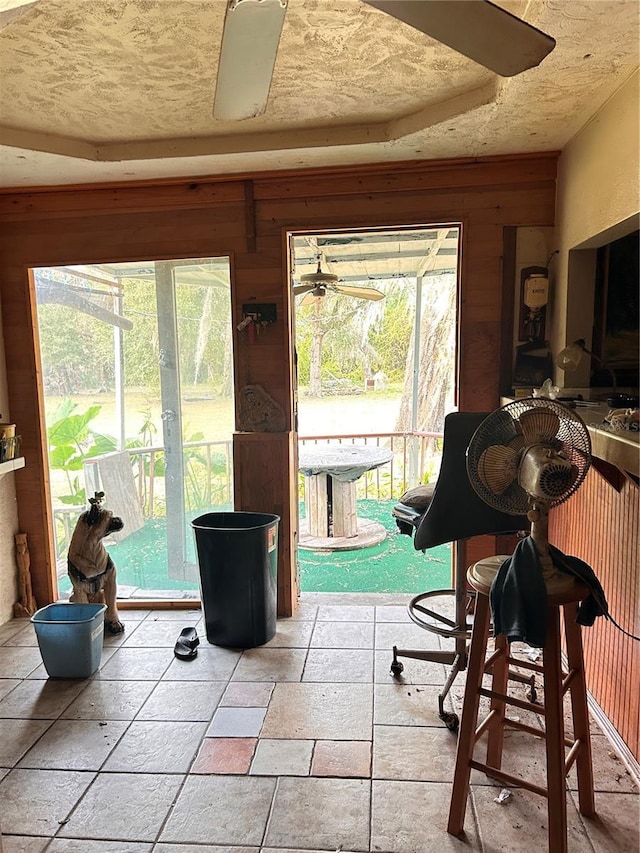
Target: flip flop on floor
(186,644)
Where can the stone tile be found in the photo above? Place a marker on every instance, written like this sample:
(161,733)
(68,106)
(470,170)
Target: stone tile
(136,664)
(609,772)
(18,662)
(155,633)
(207,848)
(225,755)
(415,671)
(7,685)
(616,827)
(407,705)
(342,635)
(211,664)
(236,722)
(392,613)
(320,712)
(35,802)
(321,813)
(10,629)
(304,612)
(281,757)
(292,635)
(408,753)
(183,700)
(343,665)
(405,636)
(25,636)
(520,822)
(40,700)
(230,810)
(81,845)
(345,613)
(247,694)
(342,758)
(140,801)
(186,616)
(411,817)
(23,844)
(109,700)
(74,745)
(156,747)
(17,736)
(270,665)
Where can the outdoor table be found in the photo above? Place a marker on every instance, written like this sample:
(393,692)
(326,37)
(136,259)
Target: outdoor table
(331,472)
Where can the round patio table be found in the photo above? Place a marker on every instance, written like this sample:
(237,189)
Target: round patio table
(331,472)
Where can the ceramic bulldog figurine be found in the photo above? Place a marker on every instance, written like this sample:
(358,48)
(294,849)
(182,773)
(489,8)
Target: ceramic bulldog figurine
(91,569)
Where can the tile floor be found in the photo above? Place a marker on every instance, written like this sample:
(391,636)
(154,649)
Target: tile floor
(305,744)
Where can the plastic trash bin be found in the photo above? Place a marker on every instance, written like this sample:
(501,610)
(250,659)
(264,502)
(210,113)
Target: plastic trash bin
(237,559)
(70,637)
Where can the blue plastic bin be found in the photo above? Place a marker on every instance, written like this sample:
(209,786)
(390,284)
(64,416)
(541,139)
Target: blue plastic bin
(70,637)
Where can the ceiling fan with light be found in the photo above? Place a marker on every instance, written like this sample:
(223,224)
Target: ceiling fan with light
(316,284)
(478,29)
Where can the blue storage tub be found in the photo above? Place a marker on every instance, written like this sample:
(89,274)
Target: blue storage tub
(70,637)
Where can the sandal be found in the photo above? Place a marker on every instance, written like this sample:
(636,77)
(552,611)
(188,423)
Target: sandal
(186,644)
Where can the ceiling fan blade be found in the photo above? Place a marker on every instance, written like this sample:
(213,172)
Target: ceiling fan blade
(309,299)
(250,41)
(477,29)
(302,288)
(359,292)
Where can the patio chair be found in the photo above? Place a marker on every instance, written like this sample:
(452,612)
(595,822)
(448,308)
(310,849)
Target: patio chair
(112,474)
(450,512)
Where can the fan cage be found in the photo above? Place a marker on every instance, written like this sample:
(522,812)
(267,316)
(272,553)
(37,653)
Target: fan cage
(571,439)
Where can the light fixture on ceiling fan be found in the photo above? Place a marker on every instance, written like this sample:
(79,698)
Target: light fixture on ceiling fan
(478,29)
(316,284)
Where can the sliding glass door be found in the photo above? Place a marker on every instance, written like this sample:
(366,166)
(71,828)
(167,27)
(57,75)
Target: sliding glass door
(137,372)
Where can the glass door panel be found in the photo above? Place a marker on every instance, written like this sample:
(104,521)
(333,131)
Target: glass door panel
(137,367)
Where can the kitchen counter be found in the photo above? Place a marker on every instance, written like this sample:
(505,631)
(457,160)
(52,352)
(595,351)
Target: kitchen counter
(620,448)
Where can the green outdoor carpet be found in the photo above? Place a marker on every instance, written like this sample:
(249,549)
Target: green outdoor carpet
(392,566)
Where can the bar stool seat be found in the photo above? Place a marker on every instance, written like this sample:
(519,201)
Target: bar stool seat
(556,683)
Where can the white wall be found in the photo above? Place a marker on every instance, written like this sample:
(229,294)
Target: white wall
(598,200)
(8,510)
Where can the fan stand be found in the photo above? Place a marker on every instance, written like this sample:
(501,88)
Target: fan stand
(555,581)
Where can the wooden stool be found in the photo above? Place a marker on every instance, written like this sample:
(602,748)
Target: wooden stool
(556,683)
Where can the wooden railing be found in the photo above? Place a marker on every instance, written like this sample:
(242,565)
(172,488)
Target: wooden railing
(209,474)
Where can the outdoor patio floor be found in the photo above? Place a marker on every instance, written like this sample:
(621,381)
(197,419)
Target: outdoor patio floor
(393,566)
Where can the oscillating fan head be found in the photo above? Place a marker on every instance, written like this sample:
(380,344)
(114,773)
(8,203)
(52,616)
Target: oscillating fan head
(529,450)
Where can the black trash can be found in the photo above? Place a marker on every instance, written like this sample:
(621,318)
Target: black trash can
(237,558)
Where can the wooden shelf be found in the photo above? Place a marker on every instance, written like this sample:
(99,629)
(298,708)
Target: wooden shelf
(11,465)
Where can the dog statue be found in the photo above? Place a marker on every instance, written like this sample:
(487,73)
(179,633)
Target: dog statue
(91,569)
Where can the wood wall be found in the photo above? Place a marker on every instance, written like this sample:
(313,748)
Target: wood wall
(600,525)
(248,218)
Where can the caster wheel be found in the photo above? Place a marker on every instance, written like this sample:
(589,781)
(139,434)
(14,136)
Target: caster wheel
(451,721)
(397,668)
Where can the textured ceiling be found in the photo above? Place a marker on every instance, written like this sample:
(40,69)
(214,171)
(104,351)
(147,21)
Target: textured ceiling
(97,90)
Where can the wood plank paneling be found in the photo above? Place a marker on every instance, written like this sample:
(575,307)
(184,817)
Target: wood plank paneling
(210,217)
(600,525)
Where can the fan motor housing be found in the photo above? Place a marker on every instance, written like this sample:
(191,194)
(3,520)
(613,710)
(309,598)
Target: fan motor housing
(544,473)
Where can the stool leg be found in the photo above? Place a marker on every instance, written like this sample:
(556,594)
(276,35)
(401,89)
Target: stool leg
(466,737)
(554,723)
(578,691)
(499,684)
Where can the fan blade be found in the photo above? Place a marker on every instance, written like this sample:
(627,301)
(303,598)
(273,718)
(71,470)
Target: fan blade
(498,467)
(477,29)
(539,425)
(359,292)
(250,41)
(302,288)
(310,298)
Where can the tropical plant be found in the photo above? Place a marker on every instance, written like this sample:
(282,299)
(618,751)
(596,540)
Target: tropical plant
(71,441)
